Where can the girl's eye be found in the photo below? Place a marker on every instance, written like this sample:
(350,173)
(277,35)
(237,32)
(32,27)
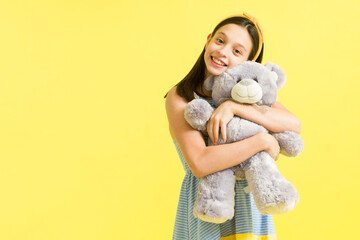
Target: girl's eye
(219,40)
(238,52)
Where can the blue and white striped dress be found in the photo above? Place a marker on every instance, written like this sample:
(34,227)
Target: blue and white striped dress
(247,224)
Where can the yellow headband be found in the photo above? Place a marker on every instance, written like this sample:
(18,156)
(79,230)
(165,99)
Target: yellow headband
(258,28)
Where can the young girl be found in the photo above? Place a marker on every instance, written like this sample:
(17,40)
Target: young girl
(234,40)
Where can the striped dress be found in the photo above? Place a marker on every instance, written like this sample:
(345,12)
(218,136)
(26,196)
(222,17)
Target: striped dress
(247,224)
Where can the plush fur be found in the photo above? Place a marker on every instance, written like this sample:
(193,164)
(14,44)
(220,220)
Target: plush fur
(251,83)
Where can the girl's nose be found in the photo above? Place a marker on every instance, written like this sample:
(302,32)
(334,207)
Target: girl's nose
(224,51)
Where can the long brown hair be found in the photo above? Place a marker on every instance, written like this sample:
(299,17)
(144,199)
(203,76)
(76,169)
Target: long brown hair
(196,77)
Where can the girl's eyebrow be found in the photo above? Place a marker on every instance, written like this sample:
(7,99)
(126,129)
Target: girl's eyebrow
(236,43)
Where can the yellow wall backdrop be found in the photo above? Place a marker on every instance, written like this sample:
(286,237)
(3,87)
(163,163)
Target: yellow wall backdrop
(85,151)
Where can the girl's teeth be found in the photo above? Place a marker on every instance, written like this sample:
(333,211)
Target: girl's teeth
(218,62)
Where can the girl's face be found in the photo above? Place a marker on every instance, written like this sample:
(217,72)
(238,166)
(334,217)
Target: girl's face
(230,46)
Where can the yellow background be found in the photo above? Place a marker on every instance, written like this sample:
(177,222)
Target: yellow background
(85,151)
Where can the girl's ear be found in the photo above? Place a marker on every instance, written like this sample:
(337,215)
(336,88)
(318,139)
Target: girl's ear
(208,40)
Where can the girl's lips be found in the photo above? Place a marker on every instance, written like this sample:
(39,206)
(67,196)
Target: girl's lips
(215,64)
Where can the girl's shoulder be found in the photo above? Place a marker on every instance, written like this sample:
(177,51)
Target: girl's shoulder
(174,98)
(172,92)
(174,104)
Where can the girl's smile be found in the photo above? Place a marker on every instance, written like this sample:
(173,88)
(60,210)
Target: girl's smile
(217,62)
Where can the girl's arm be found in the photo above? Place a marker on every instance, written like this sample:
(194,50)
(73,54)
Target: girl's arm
(203,160)
(275,119)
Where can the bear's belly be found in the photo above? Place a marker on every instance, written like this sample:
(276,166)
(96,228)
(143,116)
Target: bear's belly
(238,129)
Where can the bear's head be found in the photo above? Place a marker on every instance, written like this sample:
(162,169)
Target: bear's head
(249,82)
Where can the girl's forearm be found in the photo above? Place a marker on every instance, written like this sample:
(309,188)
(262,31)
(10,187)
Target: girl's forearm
(219,157)
(275,119)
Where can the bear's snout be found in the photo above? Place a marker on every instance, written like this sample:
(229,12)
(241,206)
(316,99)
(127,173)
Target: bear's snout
(247,91)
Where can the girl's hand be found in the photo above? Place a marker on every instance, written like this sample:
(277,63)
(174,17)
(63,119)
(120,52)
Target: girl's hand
(271,145)
(219,119)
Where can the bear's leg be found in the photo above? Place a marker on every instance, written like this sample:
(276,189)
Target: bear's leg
(273,194)
(215,199)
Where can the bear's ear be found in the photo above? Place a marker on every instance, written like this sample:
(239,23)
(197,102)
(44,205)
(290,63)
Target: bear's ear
(209,82)
(281,77)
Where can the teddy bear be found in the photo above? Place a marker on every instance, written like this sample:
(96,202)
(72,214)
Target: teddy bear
(248,83)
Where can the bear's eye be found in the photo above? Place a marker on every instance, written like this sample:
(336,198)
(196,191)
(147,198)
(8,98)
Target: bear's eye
(255,79)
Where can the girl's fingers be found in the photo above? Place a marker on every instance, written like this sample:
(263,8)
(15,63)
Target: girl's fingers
(209,130)
(223,131)
(277,156)
(216,132)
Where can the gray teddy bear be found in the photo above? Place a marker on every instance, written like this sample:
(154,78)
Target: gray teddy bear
(250,83)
